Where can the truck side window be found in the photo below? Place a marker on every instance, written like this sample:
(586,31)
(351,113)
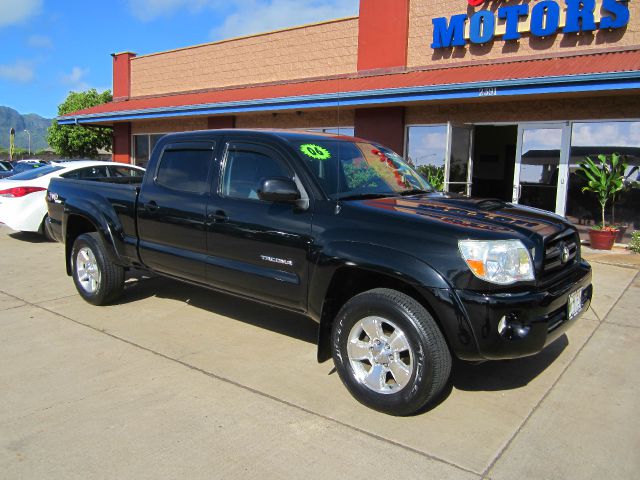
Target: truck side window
(245,170)
(184,170)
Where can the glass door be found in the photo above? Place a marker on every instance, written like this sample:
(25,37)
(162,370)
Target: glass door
(459,167)
(541,170)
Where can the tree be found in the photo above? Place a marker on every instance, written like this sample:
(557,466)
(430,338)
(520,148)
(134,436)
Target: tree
(77,140)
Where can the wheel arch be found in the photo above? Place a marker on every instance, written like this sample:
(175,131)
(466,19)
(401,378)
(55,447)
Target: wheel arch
(77,224)
(364,267)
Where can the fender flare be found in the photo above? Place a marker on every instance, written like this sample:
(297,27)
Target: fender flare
(106,224)
(387,261)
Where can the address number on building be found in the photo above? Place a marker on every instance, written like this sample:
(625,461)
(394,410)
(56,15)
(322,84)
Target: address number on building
(488,92)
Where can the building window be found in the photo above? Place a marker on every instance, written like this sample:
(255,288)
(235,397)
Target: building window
(348,131)
(427,151)
(592,139)
(143,146)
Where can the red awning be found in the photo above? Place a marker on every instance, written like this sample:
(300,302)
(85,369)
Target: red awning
(625,61)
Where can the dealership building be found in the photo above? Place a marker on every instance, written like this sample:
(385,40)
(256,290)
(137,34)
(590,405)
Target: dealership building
(506,96)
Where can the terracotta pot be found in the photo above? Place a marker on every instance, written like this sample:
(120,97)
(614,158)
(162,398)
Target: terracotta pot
(602,239)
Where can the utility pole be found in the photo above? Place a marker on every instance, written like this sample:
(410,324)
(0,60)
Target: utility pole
(12,143)
(29,134)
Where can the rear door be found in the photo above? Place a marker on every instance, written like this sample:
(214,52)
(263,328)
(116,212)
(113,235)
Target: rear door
(172,208)
(257,248)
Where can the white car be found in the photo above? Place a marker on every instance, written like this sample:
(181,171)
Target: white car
(22,196)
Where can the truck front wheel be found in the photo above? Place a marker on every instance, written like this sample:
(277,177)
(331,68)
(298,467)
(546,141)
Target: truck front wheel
(389,352)
(98,280)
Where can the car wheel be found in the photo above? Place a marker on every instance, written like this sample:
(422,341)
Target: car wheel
(46,229)
(389,352)
(98,280)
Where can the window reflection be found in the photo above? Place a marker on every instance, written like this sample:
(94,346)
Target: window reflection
(592,139)
(539,167)
(427,150)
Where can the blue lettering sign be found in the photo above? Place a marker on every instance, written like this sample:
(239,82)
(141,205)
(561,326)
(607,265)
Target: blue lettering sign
(512,15)
(483,24)
(544,21)
(580,16)
(451,35)
(620,10)
(545,17)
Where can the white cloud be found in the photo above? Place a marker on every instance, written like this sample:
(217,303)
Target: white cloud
(16,12)
(542,139)
(147,10)
(242,17)
(256,16)
(614,134)
(75,79)
(39,41)
(21,71)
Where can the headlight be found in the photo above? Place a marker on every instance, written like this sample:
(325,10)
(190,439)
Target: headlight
(499,261)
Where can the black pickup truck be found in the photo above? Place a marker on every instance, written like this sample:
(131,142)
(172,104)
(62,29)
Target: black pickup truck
(399,277)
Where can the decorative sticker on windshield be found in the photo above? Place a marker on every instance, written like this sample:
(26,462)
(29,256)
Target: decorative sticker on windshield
(315,151)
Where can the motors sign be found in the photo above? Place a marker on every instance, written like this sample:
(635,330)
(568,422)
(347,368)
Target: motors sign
(541,19)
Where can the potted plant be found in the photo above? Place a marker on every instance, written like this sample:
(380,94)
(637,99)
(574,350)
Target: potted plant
(604,178)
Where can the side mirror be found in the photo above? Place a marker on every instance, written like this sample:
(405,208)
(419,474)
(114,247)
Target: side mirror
(278,189)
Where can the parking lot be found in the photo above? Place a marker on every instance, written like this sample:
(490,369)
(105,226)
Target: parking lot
(178,382)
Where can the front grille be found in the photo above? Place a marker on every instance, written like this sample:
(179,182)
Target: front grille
(561,252)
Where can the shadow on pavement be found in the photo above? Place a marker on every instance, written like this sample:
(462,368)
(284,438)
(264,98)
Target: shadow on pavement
(140,285)
(488,376)
(30,237)
(506,374)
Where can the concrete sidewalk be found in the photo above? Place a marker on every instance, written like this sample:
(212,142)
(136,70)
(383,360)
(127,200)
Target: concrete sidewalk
(177,382)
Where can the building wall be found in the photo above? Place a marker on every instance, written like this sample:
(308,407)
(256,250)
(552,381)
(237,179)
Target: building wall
(310,51)
(422,12)
(609,107)
(313,119)
(169,125)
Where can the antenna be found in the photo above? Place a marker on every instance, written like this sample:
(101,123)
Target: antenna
(338,162)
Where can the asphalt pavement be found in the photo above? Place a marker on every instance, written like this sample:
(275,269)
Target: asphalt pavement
(178,382)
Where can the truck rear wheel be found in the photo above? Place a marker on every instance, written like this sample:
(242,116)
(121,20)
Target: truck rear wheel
(389,352)
(98,280)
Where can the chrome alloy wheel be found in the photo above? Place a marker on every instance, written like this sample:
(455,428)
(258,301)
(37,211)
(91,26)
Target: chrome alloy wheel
(87,270)
(380,355)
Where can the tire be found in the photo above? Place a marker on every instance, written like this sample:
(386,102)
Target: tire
(98,280)
(46,230)
(401,364)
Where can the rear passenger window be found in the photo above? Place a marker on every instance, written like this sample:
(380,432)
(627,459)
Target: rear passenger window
(245,171)
(185,170)
(117,171)
(87,173)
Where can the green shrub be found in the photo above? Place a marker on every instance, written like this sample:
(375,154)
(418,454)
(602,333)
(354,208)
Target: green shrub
(434,175)
(634,245)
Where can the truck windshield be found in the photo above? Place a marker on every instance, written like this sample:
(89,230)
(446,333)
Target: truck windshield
(360,170)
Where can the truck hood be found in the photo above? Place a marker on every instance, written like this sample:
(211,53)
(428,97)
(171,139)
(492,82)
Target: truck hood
(486,215)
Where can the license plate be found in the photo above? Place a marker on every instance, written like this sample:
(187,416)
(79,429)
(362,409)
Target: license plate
(574,305)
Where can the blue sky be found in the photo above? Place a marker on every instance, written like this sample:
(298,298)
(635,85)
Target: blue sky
(51,47)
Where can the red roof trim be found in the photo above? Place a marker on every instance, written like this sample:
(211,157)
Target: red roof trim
(547,67)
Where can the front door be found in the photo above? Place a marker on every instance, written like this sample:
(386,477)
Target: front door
(459,167)
(540,174)
(257,248)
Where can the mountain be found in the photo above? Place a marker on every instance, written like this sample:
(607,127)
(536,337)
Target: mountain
(34,123)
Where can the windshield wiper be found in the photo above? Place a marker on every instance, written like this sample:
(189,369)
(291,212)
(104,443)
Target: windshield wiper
(415,191)
(366,196)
